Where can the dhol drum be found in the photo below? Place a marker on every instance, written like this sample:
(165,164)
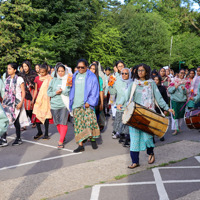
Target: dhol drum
(146,120)
(192,118)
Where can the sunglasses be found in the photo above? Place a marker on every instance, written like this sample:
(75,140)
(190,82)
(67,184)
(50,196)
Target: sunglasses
(80,67)
(124,73)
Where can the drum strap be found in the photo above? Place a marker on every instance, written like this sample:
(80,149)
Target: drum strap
(131,97)
(132,92)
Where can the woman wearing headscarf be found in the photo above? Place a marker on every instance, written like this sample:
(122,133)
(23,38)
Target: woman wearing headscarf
(178,97)
(29,76)
(119,89)
(58,91)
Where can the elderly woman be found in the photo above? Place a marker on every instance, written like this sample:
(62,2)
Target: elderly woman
(119,89)
(178,97)
(145,94)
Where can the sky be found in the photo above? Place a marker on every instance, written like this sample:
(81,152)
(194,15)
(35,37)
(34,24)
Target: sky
(195,5)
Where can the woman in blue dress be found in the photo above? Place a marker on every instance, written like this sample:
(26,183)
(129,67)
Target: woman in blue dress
(145,94)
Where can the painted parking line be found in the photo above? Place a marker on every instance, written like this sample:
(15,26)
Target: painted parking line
(158,182)
(197,158)
(38,161)
(41,144)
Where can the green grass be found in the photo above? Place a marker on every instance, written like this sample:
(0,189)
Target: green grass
(87,186)
(66,192)
(101,182)
(90,160)
(165,164)
(120,176)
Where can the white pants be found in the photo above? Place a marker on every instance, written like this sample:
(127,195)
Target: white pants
(114,109)
(176,123)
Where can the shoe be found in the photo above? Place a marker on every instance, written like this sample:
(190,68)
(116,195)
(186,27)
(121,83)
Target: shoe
(162,139)
(174,133)
(151,159)
(17,141)
(79,149)
(134,165)
(126,144)
(38,136)
(60,146)
(121,140)
(46,137)
(23,128)
(113,133)
(115,136)
(94,144)
(3,142)
(107,115)
(34,125)
(113,118)
(101,128)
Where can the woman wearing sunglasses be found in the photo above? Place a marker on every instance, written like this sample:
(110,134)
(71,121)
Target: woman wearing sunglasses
(84,96)
(119,89)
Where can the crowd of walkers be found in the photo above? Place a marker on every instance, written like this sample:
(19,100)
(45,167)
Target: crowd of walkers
(89,95)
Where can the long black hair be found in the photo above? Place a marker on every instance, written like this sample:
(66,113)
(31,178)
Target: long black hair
(96,70)
(147,69)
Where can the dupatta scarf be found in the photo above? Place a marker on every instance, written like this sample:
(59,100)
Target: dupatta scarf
(42,105)
(10,101)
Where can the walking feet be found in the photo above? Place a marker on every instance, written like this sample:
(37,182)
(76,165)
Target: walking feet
(60,146)
(17,141)
(94,144)
(38,136)
(175,133)
(134,165)
(79,149)
(151,159)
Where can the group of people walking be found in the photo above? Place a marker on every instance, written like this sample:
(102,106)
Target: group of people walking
(46,96)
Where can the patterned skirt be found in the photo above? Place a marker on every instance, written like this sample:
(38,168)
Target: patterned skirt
(118,126)
(85,124)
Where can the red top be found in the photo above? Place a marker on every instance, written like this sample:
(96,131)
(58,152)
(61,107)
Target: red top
(39,83)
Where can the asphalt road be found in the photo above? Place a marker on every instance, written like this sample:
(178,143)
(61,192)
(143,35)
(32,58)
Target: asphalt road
(35,157)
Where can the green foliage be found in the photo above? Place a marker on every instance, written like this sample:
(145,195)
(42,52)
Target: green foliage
(105,44)
(146,39)
(187,48)
(104,30)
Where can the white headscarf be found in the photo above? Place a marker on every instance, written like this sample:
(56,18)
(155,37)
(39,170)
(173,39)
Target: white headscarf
(129,80)
(65,99)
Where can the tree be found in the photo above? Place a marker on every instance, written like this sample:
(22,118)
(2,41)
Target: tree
(105,44)
(146,38)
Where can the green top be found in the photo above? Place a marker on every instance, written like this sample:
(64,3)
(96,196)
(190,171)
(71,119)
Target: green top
(119,88)
(178,95)
(197,97)
(137,97)
(79,90)
(56,100)
(100,84)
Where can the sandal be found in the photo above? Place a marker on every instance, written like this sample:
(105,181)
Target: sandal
(151,159)
(34,125)
(134,165)
(60,146)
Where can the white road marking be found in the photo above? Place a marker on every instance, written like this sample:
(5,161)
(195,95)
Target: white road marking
(158,181)
(159,185)
(198,158)
(37,161)
(45,145)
